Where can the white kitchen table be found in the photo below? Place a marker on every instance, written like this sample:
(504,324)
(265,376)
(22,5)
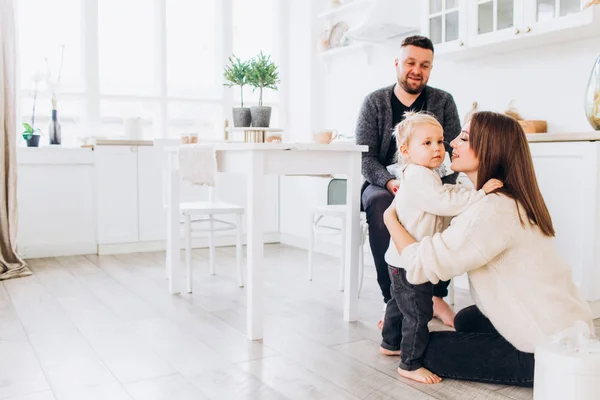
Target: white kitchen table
(254,160)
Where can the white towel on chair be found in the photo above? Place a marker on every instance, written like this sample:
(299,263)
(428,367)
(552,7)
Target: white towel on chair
(198,164)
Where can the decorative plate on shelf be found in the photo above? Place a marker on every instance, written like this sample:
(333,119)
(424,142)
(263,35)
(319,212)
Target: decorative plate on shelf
(337,33)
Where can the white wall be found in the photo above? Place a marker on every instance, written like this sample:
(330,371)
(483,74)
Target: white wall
(546,83)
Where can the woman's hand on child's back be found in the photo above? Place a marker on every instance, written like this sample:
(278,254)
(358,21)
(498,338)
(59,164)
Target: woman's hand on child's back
(491,185)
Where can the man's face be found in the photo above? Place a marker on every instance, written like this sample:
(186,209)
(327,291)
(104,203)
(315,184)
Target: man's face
(413,68)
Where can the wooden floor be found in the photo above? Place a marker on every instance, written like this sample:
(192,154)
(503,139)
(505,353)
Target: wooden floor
(104,327)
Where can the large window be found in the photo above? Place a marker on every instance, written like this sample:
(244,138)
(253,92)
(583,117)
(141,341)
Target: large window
(250,37)
(157,60)
(127,47)
(41,44)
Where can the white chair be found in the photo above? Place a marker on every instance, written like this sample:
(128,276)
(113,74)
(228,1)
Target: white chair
(206,221)
(335,208)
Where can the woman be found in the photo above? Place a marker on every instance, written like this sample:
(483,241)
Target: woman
(522,289)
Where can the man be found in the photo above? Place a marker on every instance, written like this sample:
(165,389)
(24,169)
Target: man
(381,111)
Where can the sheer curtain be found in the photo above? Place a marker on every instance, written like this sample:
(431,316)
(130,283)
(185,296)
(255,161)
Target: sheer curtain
(11,265)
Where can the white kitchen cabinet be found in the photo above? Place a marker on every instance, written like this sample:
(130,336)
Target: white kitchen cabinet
(56,203)
(569,178)
(116,177)
(545,16)
(492,21)
(151,211)
(499,26)
(445,23)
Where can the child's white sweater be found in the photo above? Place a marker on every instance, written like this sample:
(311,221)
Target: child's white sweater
(422,202)
(517,278)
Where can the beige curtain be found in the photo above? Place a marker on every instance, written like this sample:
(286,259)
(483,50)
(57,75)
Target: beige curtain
(11,265)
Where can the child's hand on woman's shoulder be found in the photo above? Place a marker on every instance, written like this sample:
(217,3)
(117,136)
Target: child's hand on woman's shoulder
(491,185)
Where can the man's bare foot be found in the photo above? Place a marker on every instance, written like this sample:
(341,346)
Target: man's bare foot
(442,311)
(421,375)
(387,352)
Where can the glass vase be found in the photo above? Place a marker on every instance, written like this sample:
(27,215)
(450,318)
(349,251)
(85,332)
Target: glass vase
(592,97)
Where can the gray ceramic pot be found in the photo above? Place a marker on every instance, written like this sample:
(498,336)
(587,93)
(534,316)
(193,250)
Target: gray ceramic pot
(242,118)
(261,116)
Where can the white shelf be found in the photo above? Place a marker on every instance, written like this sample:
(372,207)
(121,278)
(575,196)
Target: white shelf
(333,11)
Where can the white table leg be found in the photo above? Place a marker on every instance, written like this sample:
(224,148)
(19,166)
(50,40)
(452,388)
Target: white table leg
(173,239)
(255,249)
(353,235)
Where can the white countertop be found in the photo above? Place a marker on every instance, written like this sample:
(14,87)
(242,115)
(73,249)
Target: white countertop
(590,136)
(235,146)
(123,142)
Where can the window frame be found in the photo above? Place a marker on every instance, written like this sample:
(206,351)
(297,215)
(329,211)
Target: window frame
(92,120)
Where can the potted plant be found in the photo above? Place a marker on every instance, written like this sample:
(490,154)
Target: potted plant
(262,75)
(236,74)
(31,133)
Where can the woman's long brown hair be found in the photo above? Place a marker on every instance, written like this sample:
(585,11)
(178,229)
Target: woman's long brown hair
(503,152)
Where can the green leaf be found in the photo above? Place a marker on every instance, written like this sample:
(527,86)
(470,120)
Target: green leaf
(236,72)
(263,73)
(28,128)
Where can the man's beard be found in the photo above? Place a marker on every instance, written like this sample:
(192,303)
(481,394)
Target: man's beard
(410,90)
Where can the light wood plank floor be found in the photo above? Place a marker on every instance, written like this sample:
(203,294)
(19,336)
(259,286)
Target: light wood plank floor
(104,327)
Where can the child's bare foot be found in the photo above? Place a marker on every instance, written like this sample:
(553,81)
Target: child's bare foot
(442,310)
(421,375)
(387,352)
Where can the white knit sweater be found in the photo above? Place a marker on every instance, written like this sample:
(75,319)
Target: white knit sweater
(423,202)
(517,278)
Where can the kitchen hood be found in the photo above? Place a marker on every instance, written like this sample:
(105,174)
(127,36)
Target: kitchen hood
(387,19)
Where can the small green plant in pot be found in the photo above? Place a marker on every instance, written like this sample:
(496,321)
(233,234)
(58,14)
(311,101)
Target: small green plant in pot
(263,74)
(236,74)
(31,134)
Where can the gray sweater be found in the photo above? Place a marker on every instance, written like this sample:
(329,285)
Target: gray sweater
(374,128)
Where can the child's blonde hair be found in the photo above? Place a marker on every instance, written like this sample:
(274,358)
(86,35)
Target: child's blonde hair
(405,129)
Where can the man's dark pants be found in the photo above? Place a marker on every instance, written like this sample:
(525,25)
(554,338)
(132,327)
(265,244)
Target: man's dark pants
(375,200)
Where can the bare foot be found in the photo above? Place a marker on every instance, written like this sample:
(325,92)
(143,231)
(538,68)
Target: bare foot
(420,375)
(387,352)
(442,311)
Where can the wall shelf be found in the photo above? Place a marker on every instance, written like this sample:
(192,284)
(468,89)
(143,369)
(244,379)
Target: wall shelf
(333,11)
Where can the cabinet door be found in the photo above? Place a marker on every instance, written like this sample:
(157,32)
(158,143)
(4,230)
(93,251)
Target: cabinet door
(568,179)
(445,23)
(117,196)
(151,210)
(541,16)
(492,21)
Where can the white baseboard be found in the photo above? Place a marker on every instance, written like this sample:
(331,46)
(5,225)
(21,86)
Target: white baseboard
(159,245)
(41,250)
